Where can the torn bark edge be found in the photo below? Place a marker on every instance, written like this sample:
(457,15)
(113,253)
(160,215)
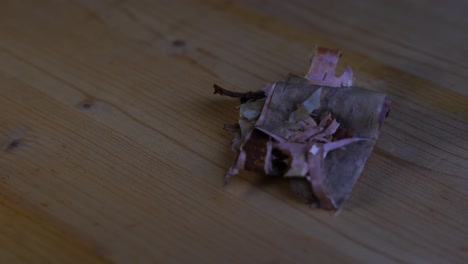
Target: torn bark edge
(240,160)
(385,111)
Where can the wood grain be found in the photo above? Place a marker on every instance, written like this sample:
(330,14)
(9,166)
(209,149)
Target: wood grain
(424,38)
(113,148)
(28,239)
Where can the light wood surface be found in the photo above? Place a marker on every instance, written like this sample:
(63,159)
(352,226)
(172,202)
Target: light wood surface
(113,147)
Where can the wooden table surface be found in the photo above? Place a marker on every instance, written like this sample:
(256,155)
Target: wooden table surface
(113,147)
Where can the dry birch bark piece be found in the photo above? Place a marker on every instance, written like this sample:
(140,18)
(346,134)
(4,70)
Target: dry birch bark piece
(317,130)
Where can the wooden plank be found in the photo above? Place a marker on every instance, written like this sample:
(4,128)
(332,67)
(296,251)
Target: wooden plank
(25,238)
(120,135)
(426,39)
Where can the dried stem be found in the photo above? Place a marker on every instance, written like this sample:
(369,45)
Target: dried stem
(244,97)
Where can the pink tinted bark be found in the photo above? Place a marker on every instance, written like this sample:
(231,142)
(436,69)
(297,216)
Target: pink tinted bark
(322,69)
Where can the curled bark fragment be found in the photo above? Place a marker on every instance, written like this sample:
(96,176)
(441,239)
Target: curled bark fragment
(315,130)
